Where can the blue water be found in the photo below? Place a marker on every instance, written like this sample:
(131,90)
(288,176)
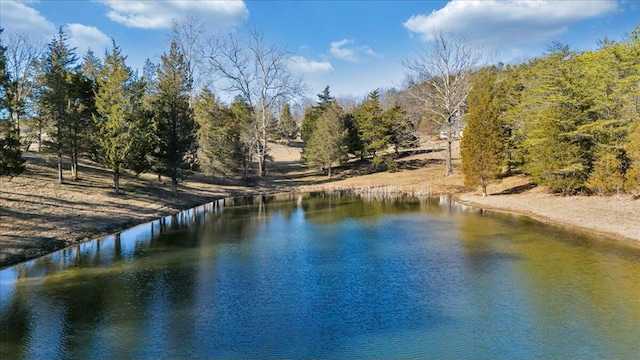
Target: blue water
(327,277)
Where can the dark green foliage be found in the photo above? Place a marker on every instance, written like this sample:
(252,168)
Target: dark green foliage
(327,145)
(402,130)
(311,114)
(481,147)
(354,144)
(80,126)
(287,128)
(558,154)
(55,101)
(568,117)
(125,131)
(374,128)
(243,119)
(174,126)
(11,161)
(218,136)
(632,176)
(4,75)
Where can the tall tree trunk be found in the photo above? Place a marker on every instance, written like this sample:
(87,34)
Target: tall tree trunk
(74,165)
(447,160)
(174,179)
(60,179)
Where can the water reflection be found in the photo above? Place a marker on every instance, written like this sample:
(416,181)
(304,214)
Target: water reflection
(319,276)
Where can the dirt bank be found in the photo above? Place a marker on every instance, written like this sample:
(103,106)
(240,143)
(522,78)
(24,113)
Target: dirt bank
(617,217)
(38,215)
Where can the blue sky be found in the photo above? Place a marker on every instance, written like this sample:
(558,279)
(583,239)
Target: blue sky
(353,46)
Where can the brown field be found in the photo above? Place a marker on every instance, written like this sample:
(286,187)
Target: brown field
(38,215)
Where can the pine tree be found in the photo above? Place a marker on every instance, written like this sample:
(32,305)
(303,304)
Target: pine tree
(481,148)
(312,113)
(373,126)
(218,136)
(243,119)
(54,101)
(632,176)
(89,69)
(80,125)
(11,161)
(403,132)
(174,126)
(287,127)
(117,103)
(327,145)
(559,155)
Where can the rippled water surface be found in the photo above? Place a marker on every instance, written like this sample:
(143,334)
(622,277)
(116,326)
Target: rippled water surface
(327,277)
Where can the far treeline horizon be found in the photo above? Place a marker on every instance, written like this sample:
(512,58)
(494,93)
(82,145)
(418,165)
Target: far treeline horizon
(569,120)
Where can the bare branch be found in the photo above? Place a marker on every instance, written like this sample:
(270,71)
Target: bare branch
(441,77)
(259,73)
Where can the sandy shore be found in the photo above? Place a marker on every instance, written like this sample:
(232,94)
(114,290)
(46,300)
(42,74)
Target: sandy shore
(617,217)
(39,216)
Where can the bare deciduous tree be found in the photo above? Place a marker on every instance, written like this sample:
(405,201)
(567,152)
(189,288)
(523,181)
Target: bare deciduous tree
(22,55)
(257,72)
(440,78)
(189,34)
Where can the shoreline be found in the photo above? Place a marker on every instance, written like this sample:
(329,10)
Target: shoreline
(38,216)
(630,237)
(468,199)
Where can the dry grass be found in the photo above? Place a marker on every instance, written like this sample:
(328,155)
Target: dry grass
(38,215)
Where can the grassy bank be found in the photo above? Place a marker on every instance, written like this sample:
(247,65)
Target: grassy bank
(38,215)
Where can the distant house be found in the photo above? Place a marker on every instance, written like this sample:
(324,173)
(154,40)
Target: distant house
(458,129)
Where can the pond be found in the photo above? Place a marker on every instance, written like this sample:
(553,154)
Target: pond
(319,276)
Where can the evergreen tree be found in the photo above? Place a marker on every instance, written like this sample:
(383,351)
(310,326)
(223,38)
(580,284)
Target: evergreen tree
(402,131)
(374,128)
(312,113)
(327,145)
(174,126)
(218,136)
(353,142)
(510,87)
(89,69)
(117,102)
(632,176)
(80,127)
(481,148)
(55,100)
(558,154)
(287,127)
(11,161)
(243,119)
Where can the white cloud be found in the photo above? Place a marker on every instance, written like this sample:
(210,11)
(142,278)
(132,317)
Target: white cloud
(499,22)
(160,14)
(302,65)
(83,37)
(346,50)
(19,18)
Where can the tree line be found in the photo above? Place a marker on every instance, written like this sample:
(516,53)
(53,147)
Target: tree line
(158,121)
(567,119)
(570,120)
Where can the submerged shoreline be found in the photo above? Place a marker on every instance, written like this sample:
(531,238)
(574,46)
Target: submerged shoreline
(38,216)
(614,217)
(545,208)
